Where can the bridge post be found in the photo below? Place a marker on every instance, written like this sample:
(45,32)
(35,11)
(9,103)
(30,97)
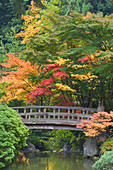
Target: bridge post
(100,107)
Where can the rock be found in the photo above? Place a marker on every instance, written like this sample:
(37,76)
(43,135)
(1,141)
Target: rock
(54,151)
(91,147)
(36,151)
(67,147)
(29,149)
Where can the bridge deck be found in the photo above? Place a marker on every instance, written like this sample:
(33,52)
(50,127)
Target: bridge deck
(54,117)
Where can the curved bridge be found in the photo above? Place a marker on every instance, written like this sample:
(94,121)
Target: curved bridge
(54,117)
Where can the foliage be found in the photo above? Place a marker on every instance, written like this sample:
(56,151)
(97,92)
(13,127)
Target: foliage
(105,161)
(58,94)
(60,138)
(83,43)
(66,7)
(107,145)
(83,6)
(101,125)
(17,78)
(10,12)
(104,6)
(11,24)
(40,44)
(87,51)
(13,134)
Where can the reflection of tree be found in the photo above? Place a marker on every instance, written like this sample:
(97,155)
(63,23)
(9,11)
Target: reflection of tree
(69,162)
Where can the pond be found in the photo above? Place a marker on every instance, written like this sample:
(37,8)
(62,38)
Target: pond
(54,161)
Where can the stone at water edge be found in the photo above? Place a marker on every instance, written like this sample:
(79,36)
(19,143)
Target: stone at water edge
(67,147)
(30,148)
(91,147)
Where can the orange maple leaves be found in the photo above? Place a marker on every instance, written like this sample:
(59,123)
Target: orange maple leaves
(101,122)
(18,76)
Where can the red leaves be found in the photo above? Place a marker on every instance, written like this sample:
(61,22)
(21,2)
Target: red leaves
(49,66)
(84,59)
(46,82)
(61,100)
(60,74)
(46,86)
(38,92)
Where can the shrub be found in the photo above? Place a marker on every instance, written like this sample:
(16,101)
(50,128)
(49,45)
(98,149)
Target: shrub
(105,162)
(107,146)
(13,134)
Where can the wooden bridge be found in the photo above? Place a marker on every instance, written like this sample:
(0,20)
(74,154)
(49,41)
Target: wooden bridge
(54,117)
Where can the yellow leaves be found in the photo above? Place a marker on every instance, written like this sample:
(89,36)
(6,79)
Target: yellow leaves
(93,57)
(92,88)
(61,61)
(77,66)
(32,3)
(89,76)
(64,87)
(32,23)
(89,14)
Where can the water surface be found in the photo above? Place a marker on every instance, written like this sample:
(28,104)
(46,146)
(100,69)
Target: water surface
(54,161)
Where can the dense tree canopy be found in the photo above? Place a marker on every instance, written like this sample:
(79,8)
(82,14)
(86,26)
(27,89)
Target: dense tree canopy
(82,45)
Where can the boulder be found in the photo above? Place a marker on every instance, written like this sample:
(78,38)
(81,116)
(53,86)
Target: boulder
(91,147)
(29,149)
(67,147)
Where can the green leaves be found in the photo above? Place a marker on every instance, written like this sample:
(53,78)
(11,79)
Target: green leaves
(105,161)
(13,134)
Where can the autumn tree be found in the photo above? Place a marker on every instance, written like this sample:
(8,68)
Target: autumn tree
(53,89)
(18,84)
(100,124)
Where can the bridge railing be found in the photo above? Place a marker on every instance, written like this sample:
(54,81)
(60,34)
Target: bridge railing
(54,114)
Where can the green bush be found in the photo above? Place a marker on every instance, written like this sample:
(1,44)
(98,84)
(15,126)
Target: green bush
(107,146)
(13,134)
(105,162)
(60,138)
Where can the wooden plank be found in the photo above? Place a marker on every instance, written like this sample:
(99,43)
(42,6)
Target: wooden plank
(56,114)
(56,107)
(46,121)
(53,127)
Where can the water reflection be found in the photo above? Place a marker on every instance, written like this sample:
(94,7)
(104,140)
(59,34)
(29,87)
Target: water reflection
(54,161)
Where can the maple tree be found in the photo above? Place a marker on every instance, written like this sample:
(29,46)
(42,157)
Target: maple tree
(17,77)
(58,93)
(100,124)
